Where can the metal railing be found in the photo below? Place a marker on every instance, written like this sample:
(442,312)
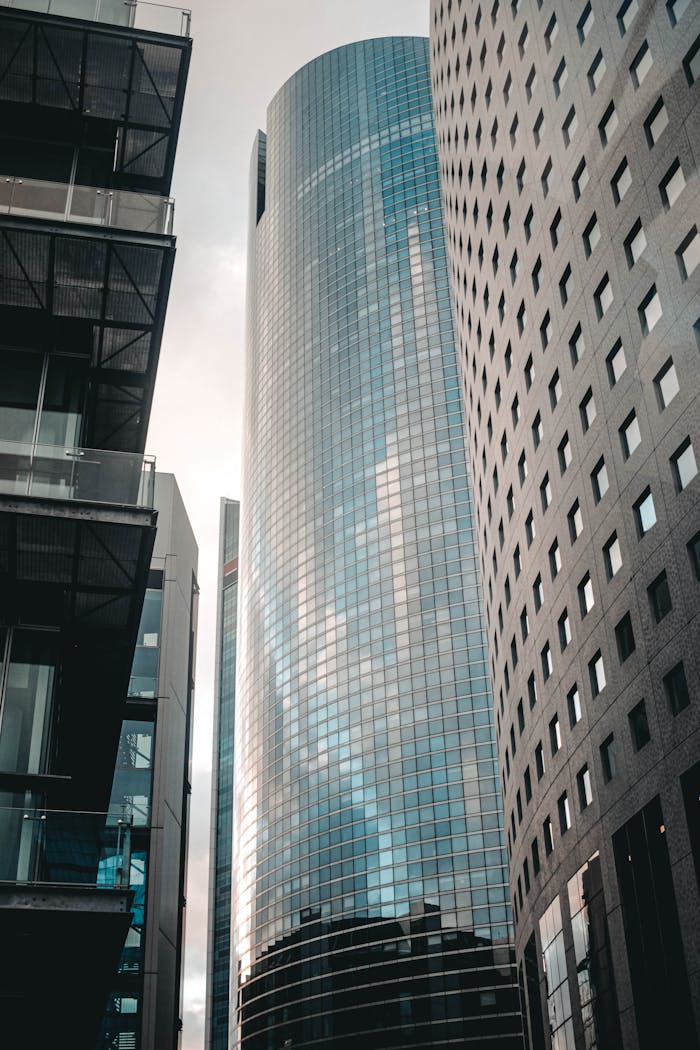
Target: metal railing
(85,475)
(132,14)
(68,202)
(64,848)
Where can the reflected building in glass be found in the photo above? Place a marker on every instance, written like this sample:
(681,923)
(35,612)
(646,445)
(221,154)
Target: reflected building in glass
(370,897)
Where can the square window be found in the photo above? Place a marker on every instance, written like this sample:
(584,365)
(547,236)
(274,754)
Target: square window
(564,625)
(645,513)
(612,555)
(585,22)
(585,595)
(539,761)
(560,78)
(608,758)
(641,65)
(694,554)
(585,787)
(596,71)
(649,310)
(616,363)
(626,15)
(546,658)
(608,124)
(564,454)
(538,593)
(676,9)
(575,520)
(580,179)
(603,297)
(666,383)
(555,559)
(599,480)
(591,234)
(555,229)
(573,701)
(688,253)
(676,689)
(564,813)
(639,726)
(656,123)
(672,184)
(684,466)
(635,243)
(555,390)
(596,673)
(660,597)
(588,411)
(630,436)
(621,181)
(624,636)
(554,735)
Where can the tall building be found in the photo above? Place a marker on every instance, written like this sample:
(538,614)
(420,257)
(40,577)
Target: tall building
(568,138)
(90,104)
(370,894)
(151,789)
(220,855)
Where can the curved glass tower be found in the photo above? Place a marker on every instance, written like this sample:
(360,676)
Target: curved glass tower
(370,881)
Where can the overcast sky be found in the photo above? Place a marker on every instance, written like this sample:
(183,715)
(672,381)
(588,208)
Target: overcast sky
(244,50)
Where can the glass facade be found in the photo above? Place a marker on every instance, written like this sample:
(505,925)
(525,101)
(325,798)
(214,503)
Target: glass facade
(370,880)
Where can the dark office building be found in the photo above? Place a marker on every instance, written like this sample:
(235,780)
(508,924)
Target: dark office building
(370,889)
(220,857)
(569,139)
(90,106)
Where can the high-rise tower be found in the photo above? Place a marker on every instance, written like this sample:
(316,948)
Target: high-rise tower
(569,148)
(370,885)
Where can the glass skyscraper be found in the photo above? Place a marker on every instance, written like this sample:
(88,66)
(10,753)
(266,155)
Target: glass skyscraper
(370,884)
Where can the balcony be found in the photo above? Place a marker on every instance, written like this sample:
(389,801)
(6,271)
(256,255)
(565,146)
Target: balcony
(66,202)
(132,14)
(120,479)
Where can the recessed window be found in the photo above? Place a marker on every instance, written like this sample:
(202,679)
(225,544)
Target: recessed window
(545,493)
(599,480)
(564,453)
(596,71)
(591,234)
(585,787)
(639,726)
(514,127)
(660,597)
(630,436)
(635,243)
(507,87)
(616,363)
(626,15)
(548,835)
(608,758)
(566,284)
(554,735)
(527,223)
(612,556)
(546,330)
(641,65)
(546,658)
(688,253)
(514,659)
(535,849)
(532,690)
(538,128)
(555,559)
(691,63)
(564,813)
(676,689)
(527,780)
(575,520)
(649,310)
(666,384)
(514,268)
(676,9)
(585,22)
(522,468)
(580,179)
(537,431)
(555,229)
(510,502)
(694,554)
(517,562)
(603,297)
(538,593)
(621,181)
(608,124)
(531,83)
(596,674)
(551,32)
(560,78)
(522,318)
(524,624)
(624,636)
(588,410)
(530,530)
(573,702)
(577,345)
(564,626)
(523,40)
(570,125)
(585,595)
(672,184)
(656,123)
(684,466)
(555,390)
(529,371)
(515,411)
(539,761)
(645,512)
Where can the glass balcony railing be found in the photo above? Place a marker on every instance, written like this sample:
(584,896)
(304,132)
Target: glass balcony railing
(82,474)
(134,14)
(64,848)
(66,202)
